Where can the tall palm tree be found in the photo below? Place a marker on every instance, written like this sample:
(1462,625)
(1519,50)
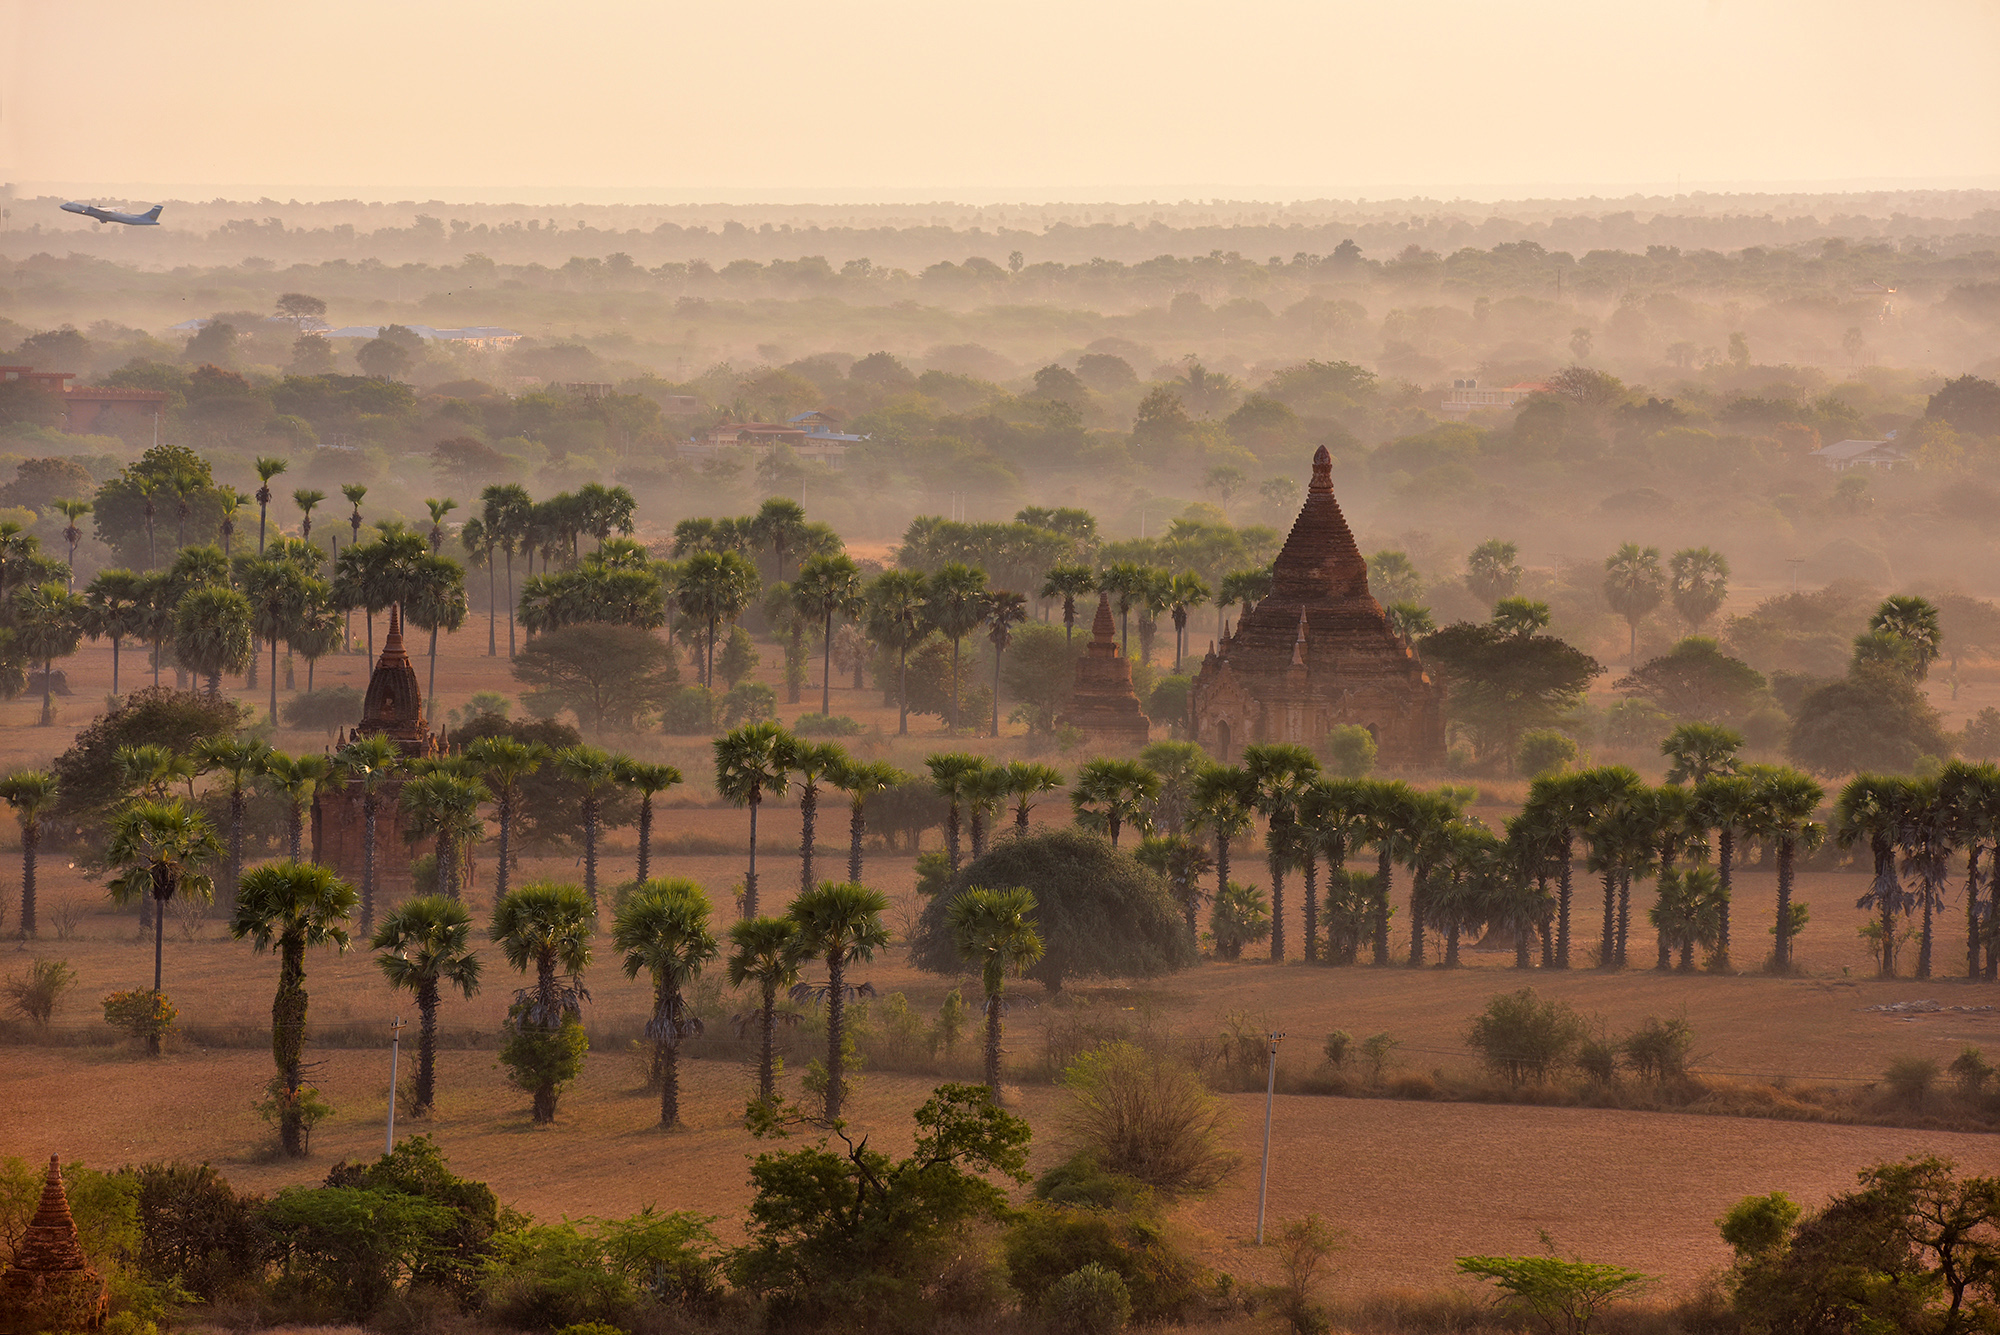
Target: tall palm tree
(299,779)
(1970,795)
(1634,585)
(1697,581)
(71,511)
(1005,609)
(861,780)
(1620,836)
(1281,774)
(212,633)
(663,930)
(895,603)
(29,791)
(1723,803)
(779,523)
(444,807)
(1914,622)
(1561,803)
(48,624)
(369,762)
(1125,582)
(1870,810)
(714,587)
(1423,841)
(953,774)
(439,509)
(1927,836)
(421,948)
(811,764)
(1700,751)
(1186,592)
(231,501)
(267,469)
(1109,795)
(1782,812)
(278,592)
(827,586)
(354,491)
(436,601)
(504,509)
(162,846)
(1025,780)
(648,781)
(749,762)
(503,762)
(239,762)
(295,906)
(112,611)
(839,922)
(954,606)
(1332,819)
(1068,582)
(1225,801)
(594,771)
(306,498)
(479,542)
(767,952)
(995,931)
(546,926)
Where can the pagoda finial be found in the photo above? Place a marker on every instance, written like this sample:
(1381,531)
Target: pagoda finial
(395,626)
(1322,483)
(1102,629)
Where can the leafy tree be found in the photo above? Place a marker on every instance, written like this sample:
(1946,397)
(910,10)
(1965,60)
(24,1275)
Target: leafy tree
(839,922)
(91,782)
(212,629)
(894,604)
(995,930)
(30,792)
(662,929)
(714,587)
(1099,912)
(1968,403)
(1523,1037)
(504,762)
(546,926)
(608,675)
(295,906)
(48,624)
(1068,582)
(1914,624)
(444,807)
(954,605)
(1781,807)
(126,506)
(421,948)
(1698,582)
(1696,680)
(1501,683)
(161,847)
(750,761)
(1634,585)
(767,952)
(1872,720)
(1564,1296)
(1111,794)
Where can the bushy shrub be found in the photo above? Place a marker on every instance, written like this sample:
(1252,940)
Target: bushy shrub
(1543,751)
(35,997)
(1658,1050)
(689,712)
(822,725)
(1082,1181)
(537,1059)
(749,702)
(196,1229)
(327,710)
(304,1102)
(1378,1054)
(1349,750)
(1339,1043)
(1971,1070)
(1089,1300)
(141,1012)
(1046,1242)
(1910,1079)
(1148,1117)
(1522,1037)
(1597,1058)
(1240,918)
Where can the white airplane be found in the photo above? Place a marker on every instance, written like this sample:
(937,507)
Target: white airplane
(150,218)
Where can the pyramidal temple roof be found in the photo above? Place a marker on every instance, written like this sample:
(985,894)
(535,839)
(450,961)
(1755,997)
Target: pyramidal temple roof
(395,702)
(1320,559)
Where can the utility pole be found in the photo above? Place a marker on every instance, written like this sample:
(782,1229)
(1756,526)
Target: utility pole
(396,1050)
(1264,1174)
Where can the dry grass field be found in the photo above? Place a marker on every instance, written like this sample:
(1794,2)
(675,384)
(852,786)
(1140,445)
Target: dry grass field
(1413,1183)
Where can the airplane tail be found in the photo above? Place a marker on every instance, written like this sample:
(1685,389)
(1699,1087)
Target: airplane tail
(153,214)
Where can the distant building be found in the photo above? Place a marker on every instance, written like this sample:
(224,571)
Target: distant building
(91,411)
(1843,455)
(812,436)
(480,337)
(1465,397)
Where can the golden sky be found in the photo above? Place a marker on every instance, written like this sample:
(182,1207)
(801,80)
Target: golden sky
(1050,98)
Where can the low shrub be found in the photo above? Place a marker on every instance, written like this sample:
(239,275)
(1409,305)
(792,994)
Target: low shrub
(1148,1117)
(1658,1050)
(822,725)
(1597,1058)
(36,996)
(689,712)
(1339,1044)
(1522,1037)
(1910,1079)
(142,1013)
(1082,1181)
(1090,1300)
(1046,1242)
(1378,1054)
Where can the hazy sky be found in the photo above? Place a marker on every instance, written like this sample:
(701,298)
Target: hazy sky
(1076,98)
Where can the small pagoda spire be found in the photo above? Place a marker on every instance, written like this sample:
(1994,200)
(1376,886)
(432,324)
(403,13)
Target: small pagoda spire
(1103,630)
(395,639)
(1322,483)
(50,1286)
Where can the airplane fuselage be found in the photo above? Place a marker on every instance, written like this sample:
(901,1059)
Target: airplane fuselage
(150,218)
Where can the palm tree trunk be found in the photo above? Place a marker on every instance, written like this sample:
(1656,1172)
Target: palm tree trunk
(836,1024)
(1522,937)
(1419,883)
(794,654)
(1221,865)
(288,1039)
(368,815)
(492,606)
(979,833)
(1884,877)
(826,668)
(903,690)
(951,835)
(808,825)
(30,837)
(1972,911)
(1312,908)
(274,679)
(446,856)
(427,1009)
(993,1046)
(1624,912)
(263,507)
(48,692)
(1451,945)
(997,651)
(1277,907)
(767,1058)
(668,1059)
(857,828)
(506,805)
(1924,938)
(1021,817)
(239,805)
(1782,953)
(645,837)
(114,663)
(296,829)
(1725,856)
(1384,868)
(750,880)
(1563,897)
(510,602)
(433,690)
(590,850)
(954,683)
(1607,951)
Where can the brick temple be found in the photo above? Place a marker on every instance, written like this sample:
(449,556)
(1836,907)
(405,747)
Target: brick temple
(1102,705)
(50,1285)
(393,708)
(1318,653)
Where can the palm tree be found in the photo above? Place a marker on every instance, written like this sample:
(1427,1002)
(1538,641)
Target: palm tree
(503,762)
(1126,581)
(148,487)
(479,542)
(149,770)
(1281,774)
(1700,751)
(1971,794)
(1108,795)
(954,606)
(28,791)
(306,498)
(1686,911)
(1332,818)
(354,491)
(370,761)
(72,511)
(212,633)
(995,930)
(648,781)
(895,603)
(296,906)
(48,623)
(436,601)
(113,611)
(299,779)
(1620,835)
(1004,610)
(779,523)
(748,762)
(161,845)
(861,780)
(421,948)
(1186,592)
(1423,840)
(594,772)
(1068,582)
(953,774)
(278,592)
(810,763)
(1723,803)
(504,510)
(546,926)
(1634,584)
(826,586)
(439,509)
(839,922)
(767,952)
(663,929)
(1241,588)
(266,470)
(1697,581)
(1025,779)
(1560,803)
(1492,571)
(1782,811)
(239,762)
(1225,801)
(1913,621)
(444,806)
(714,587)
(231,501)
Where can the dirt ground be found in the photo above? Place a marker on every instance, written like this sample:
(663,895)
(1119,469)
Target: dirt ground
(1413,1183)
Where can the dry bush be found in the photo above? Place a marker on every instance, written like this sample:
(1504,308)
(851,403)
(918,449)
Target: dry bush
(1148,1117)
(36,996)
(1910,1079)
(65,916)
(190,915)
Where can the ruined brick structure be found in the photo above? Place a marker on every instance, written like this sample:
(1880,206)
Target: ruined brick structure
(393,708)
(1318,653)
(1102,705)
(50,1286)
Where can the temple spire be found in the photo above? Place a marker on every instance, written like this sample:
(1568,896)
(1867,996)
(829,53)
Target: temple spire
(1322,483)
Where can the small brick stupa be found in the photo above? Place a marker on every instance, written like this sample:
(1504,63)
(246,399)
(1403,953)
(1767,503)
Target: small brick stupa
(1102,705)
(1318,653)
(50,1286)
(393,708)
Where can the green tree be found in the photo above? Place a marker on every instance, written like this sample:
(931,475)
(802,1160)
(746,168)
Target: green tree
(1068,582)
(594,773)
(1500,683)
(278,593)
(212,629)
(444,807)
(1026,779)
(1281,775)
(648,781)
(240,763)
(894,603)
(662,929)
(1564,1296)
(1224,803)
(436,601)
(1492,571)
(995,930)
(545,926)
(1696,680)
(954,775)
(369,762)
(609,676)
(767,952)
(862,780)
(1914,622)
(839,922)
(1872,720)
(1634,585)
(48,624)
(1698,582)
(161,847)
(266,470)
(291,906)
(714,587)
(750,761)
(828,586)
(421,948)
(1108,795)
(1700,751)
(298,778)
(954,606)
(114,611)
(503,762)
(1004,611)
(30,792)
(1781,808)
